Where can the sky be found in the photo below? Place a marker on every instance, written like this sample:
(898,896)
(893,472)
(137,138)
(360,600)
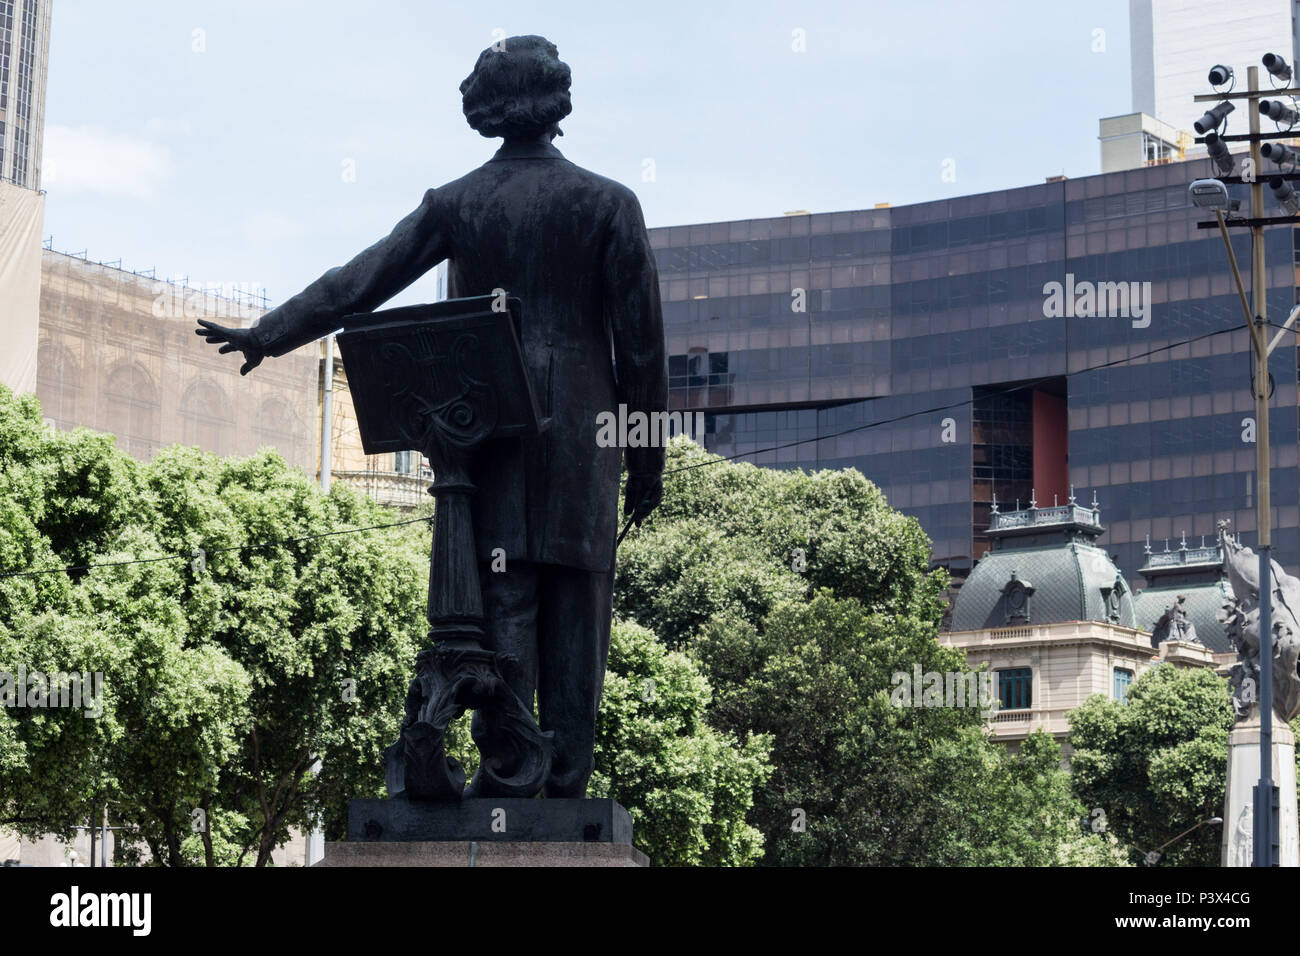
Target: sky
(261,142)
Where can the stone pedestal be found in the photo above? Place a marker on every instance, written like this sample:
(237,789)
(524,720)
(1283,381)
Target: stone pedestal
(475,853)
(1243,775)
(486,832)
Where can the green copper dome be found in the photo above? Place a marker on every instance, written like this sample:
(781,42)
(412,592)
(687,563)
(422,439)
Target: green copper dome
(1044,569)
(1196,575)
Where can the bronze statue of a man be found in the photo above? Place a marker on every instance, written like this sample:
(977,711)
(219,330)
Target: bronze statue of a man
(573,247)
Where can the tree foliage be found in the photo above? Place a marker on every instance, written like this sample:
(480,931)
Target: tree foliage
(228,671)
(802,596)
(1154,766)
(689,787)
(255,658)
(264,643)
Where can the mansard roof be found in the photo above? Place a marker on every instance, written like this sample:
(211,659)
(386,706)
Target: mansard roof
(1045,568)
(1194,573)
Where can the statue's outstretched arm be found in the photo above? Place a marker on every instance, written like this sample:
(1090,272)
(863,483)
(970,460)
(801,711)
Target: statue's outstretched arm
(416,245)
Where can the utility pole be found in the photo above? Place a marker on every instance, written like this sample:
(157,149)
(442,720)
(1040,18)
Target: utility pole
(98,832)
(327,417)
(1265,831)
(316,839)
(1265,835)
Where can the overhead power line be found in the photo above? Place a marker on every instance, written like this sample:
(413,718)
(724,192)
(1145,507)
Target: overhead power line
(190,555)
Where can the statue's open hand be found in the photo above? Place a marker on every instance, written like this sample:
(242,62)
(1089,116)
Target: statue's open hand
(233,340)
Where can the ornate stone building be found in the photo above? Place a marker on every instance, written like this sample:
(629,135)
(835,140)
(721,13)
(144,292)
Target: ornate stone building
(118,354)
(1050,614)
(1186,589)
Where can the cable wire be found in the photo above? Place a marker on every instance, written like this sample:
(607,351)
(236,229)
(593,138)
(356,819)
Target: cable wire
(189,555)
(193,553)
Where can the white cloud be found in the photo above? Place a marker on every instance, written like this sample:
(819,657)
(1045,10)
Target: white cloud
(92,159)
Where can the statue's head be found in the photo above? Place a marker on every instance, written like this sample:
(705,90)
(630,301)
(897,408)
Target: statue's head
(519,89)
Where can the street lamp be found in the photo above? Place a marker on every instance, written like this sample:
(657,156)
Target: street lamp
(1152,857)
(1210,194)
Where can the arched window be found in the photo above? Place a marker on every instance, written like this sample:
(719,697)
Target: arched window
(205,418)
(58,384)
(280,425)
(276,425)
(131,402)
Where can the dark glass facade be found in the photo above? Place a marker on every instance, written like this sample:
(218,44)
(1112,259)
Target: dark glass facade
(882,339)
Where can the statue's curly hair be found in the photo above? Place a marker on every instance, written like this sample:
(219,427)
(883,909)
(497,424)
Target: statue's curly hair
(519,90)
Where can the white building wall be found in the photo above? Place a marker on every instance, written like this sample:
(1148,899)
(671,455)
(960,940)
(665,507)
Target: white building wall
(1175,42)
(22,214)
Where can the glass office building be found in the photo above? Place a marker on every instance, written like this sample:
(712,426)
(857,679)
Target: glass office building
(24,56)
(918,345)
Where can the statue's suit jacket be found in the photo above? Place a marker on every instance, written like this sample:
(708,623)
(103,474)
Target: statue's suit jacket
(573,247)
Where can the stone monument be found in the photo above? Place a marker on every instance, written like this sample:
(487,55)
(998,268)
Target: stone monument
(1241,613)
(554,318)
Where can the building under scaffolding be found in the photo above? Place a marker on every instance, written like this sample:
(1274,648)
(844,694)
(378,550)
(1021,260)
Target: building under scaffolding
(118,354)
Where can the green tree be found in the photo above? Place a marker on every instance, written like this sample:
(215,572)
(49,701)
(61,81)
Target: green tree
(735,539)
(1155,765)
(54,490)
(864,777)
(242,638)
(228,671)
(765,618)
(325,626)
(688,787)
(993,807)
(804,597)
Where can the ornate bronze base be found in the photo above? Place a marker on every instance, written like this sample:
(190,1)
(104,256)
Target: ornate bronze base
(449,680)
(447,387)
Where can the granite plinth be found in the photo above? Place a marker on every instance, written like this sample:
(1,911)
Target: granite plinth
(489,820)
(1237,846)
(474,853)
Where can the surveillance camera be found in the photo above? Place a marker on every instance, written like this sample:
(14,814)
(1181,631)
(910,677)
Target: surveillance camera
(1218,150)
(1278,112)
(1213,118)
(1278,153)
(1285,194)
(1220,74)
(1277,66)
